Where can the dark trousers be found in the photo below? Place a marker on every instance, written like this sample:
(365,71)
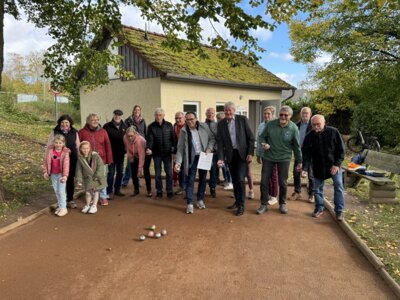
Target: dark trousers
(266,173)
(134,170)
(272,184)
(238,169)
(165,159)
(213,172)
(116,167)
(71,180)
(297,180)
(146,172)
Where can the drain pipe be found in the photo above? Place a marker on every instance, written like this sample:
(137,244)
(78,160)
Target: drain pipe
(291,96)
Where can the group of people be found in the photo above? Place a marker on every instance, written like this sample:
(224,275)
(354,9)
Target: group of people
(94,157)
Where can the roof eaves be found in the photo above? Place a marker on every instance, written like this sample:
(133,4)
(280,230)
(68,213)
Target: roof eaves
(199,79)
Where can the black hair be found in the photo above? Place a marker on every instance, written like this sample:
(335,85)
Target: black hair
(191,112)
(63,118)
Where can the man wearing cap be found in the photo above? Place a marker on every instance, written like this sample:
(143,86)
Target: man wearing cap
(116,131)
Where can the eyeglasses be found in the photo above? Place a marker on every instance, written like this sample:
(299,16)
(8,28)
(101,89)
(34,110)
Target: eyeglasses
(284,115)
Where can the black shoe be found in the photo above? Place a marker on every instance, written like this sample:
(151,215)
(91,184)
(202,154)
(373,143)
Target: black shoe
(339,217)
(170,195)
(119,194)
(213,193)
(240,211)
(233,206)
(283,209)
(159,196)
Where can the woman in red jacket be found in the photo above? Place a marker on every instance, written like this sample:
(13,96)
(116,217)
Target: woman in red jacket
(99,141)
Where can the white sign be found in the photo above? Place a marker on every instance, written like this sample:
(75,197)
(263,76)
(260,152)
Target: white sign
(205,161)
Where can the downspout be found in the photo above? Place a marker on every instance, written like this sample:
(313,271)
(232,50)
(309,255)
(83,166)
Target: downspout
(291,96)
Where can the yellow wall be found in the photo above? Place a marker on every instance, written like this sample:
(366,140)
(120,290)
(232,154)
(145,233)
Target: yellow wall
(123,95)
(174,93)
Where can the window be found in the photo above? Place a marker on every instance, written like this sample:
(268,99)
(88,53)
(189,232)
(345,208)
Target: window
(193,106)
(219,106)
(241,110)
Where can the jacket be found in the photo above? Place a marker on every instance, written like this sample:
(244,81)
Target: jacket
(138,145)
(141,127)
(308,129)
(213,126)
(98,139)
(92,177)
(64,161)
(185,149)
(244,139)
(161,138)
(116,136)
(323,150)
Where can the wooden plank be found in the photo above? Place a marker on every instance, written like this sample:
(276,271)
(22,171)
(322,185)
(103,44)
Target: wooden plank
(383,161)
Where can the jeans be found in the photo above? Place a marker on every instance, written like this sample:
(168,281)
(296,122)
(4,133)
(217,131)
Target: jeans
(238,170)
(297,180)
(118,167)
(266,174)
(71,179)
(338,192)
(127,174)
(59,189)
(166,159)
(226,173)
(103,192)
(214,172)
(190,178)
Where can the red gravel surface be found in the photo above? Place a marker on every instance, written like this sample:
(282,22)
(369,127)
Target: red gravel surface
(208,255)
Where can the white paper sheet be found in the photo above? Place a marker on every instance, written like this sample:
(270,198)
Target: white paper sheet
(205,161)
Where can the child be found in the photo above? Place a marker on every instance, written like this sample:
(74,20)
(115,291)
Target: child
(56,166)
(90,173)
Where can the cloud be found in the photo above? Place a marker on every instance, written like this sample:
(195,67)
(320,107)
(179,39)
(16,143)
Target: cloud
(262,34)
(292,78)
(281,56)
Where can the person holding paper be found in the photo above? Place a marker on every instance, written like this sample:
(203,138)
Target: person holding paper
(236,146)
(194,138)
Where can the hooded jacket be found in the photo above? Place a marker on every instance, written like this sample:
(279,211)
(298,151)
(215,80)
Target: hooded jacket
(91,176)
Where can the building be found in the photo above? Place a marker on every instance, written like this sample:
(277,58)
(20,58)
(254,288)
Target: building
(180,81)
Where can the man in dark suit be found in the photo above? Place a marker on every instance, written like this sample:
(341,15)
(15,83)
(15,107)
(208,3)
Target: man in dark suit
(305,127)
(236,147)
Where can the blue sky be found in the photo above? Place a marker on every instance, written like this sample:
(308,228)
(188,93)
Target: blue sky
(22,37)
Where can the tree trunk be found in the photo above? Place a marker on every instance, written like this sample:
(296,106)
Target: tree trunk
(1,41)
(2,196)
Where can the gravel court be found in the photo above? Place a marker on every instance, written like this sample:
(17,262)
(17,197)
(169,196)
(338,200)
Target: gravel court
(208,255)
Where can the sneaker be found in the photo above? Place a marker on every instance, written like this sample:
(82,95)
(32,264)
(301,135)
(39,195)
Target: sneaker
(228,186)
(57,211)
(92,209)
(311,199)
(189,209)
(272,200)
(317,213)
(200,204)
(85,209)
(339,217)
(179,191)
(295,196)
(62,212)
(250,195)
(71,204)
(213,193)
(283,209)
(103,201)
(262,209)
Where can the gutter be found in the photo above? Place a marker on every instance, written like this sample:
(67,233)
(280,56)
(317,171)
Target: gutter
(198,79)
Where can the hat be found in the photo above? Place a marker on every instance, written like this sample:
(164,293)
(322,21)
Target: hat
(118,112)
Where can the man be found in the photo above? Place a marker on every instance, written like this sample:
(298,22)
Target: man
(179,178)
(116,131)
(194,138)
(304,128)
(161,143)
(279,139)
(323,149)
(228,186)
(235,146)
(212,125)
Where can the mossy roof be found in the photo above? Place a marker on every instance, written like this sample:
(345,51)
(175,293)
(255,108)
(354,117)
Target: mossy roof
(187,63)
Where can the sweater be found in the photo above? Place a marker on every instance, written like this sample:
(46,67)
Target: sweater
(282,141)
(136,149)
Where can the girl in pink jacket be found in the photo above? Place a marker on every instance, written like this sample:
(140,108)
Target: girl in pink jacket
(135,146)
(56,166)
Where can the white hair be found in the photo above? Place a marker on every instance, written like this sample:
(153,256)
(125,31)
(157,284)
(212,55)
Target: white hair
(159,110)
(229,104)
(288,109)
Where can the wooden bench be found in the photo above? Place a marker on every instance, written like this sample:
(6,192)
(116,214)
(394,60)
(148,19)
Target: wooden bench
(381,189)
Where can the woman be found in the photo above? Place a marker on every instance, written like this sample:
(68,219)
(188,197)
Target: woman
(136,120)
(98,139)
(269,115)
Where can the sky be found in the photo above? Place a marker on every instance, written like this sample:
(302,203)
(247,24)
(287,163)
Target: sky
(22,37)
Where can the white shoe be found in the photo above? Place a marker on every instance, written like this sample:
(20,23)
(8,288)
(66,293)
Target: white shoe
(86,209)
(272,201)
(200,204)
(57,211)
(228,187)
(189,209)
(250,195)
(62,212)
(92,209)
